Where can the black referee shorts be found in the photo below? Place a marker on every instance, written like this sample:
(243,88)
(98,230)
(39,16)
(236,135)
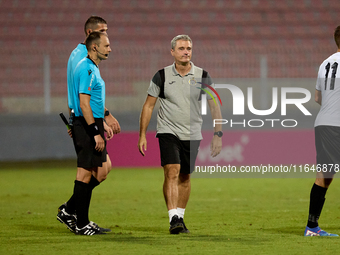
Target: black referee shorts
(84,143)
(175,151)
(327,144)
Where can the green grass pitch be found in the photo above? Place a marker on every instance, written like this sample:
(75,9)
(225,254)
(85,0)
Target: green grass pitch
(225,216)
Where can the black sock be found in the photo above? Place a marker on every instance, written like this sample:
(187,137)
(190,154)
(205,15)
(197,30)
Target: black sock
(93,182)
(71,205)
(82,192)
(317,199)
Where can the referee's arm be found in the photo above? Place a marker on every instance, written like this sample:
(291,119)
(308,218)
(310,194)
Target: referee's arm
(318,96)
(88,115)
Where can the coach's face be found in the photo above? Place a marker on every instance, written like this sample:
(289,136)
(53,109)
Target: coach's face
(182,52)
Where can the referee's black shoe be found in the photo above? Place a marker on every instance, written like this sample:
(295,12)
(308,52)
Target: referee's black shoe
(176,225)
(100,228)
(185,230)
(89,230)
(68,219)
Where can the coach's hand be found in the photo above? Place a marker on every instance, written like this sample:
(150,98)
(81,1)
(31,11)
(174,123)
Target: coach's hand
(216,146)
(142,145)
(100,143)
(69,131)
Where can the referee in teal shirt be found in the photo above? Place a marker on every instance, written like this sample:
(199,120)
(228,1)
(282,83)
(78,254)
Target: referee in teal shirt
(88,100)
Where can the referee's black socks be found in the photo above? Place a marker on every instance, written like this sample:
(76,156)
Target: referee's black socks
(317,199)
(71,204)
(82,192)
(93,182)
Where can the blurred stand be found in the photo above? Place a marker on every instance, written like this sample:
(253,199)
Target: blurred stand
(258,44)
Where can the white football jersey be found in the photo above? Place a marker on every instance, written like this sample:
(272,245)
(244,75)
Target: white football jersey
(328,82)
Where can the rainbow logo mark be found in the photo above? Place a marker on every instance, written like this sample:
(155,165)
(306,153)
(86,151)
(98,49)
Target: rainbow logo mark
(209,93)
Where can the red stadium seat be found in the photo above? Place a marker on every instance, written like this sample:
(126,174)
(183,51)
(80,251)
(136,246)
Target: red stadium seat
(272,18)
(265,31)
(255,18)
(317,4)
(248,32)
(291,17)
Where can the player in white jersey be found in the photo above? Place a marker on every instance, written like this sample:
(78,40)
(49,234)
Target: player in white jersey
(327,136)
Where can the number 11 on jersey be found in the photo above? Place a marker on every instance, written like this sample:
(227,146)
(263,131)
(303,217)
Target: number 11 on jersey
(334,69)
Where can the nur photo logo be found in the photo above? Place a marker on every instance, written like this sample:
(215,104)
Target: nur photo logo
(239,101)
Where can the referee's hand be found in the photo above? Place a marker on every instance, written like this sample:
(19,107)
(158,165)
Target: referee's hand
(113,124)
(100,144)
(69,132)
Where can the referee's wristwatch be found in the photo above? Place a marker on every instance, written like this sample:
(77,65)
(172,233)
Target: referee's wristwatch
(219,133)
(107,113)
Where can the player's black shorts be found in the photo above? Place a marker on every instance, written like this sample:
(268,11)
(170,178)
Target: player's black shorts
(84,143)
(327,143)
(175,151)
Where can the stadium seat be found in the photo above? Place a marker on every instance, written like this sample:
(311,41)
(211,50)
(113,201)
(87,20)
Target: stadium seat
(204,17)
(255,18)
(273,18)
(300,31)
(291,17)
(333,5)
(239,18)
(282,6)
(248,32)
(326,17)
(265,31)
(230,32)
(317,4)
(299,5)
(7,5)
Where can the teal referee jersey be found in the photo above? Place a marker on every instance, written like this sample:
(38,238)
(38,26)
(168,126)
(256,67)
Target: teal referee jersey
(87,80)
(77,54)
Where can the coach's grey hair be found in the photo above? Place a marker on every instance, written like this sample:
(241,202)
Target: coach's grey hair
(180,37)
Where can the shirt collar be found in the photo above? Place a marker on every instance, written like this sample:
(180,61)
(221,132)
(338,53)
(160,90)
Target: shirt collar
(175,73)
(91,60)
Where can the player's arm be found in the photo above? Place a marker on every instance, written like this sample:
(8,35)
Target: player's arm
(216,143)
(111,121)
(144,121)
(88,115)
(318,96)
